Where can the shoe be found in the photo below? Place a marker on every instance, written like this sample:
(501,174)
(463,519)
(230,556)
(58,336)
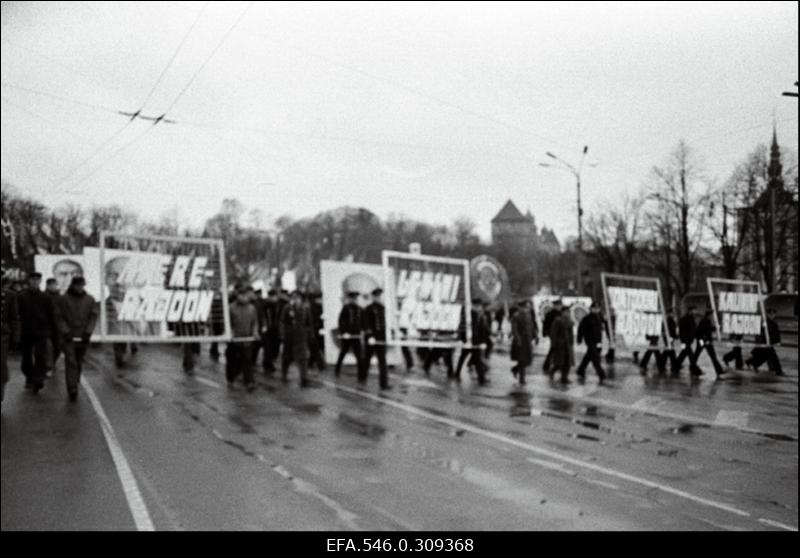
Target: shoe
(28,385)
(36,388)
(565,381)
(250,388)
(73,394)
(601,381)
(386,386)
(305,383)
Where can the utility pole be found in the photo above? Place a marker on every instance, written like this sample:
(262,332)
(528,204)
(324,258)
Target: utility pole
(576,172)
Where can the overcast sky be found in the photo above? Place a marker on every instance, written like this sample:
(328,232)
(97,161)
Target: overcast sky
(433,110)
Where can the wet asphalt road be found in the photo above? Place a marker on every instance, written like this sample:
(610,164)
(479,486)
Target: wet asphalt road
(431,454)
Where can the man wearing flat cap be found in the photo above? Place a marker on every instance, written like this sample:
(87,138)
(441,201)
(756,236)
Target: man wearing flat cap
(375,333)
(37,324)
(351,320)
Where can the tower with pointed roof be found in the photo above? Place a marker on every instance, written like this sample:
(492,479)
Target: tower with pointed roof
(510,227)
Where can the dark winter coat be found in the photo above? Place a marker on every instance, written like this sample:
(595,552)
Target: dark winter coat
(522,333)
(562,343)
(774,333)
(705,329)
(590,330)
(271,316)
(351,319)
(375,321)
(548,321)
(75,314)
(35,313)
(10,314)
(297,330)
(687,329)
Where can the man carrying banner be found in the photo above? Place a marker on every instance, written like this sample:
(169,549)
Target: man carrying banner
(735,354)
(687,332)
(351,320)
(244,327)
(522,334)
(760,355)
(296,331)
(75,317)
(317,340)
(705,341)
(669,351)
(590,331)
(37,321)
(375,333)
(9,314)
(549,317)
(481,332)
(51,289)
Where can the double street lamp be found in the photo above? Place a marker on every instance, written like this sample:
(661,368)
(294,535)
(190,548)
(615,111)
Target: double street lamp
(576,172)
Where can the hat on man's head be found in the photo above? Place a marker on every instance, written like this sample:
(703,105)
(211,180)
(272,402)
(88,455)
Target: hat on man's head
(35,275)
(78,280)
(352,294)
(377,292)
(272,292)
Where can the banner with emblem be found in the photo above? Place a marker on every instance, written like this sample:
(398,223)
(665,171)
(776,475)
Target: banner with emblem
(489,280)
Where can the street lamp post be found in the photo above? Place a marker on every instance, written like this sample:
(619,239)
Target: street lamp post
(577,174)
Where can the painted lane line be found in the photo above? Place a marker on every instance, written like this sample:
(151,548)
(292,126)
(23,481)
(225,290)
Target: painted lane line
(601,483)
(542,451)
(207,382)
(777,524)
(138,508)
(552,466)
(737,419)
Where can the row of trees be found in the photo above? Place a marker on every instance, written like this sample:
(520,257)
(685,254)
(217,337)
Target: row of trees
(680,225)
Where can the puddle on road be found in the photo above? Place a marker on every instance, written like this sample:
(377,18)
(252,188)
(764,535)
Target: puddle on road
(361,425)
(561,405)
(244,426)
(688,428)
(779,437)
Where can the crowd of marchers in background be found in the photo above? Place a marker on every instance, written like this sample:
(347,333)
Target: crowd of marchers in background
(43,325)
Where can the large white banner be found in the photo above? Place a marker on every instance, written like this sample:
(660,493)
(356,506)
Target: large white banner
(61,267)
(425,297)
(634,309)
(738,310)
(338,279)
(159,289)
(578,306)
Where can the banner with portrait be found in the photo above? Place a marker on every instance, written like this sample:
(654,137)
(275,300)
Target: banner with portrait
(426,297)
(338,279)
(578,306)
(739,311)
(489,280)
(159,289)
(635,310)
(61,267)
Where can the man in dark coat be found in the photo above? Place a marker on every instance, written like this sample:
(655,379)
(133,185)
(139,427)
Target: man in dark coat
(296,331)
(767,354)
(481,328)
(590,331)
(375,333)
(687,333)
(9,314)
(549,317)
(217,324)
(37,324)
(51,289)
(562,343)
(351,321)
(75,315)
(522,334)
(669,352)
(244,327)
(705,341)
(270,325)
(317,340)
(487,312)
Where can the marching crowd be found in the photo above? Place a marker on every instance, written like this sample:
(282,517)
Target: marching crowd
(46,324)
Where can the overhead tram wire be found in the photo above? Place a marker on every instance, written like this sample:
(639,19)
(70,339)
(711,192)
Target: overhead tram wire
(59,98)
(174,101)
(127,123)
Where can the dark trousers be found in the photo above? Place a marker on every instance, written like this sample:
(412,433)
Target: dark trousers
(735,354)
(272,346)
(239,361)
(592,355)
(55,350)
(350,345)
(408,358)
(709,348)
(119,353)
(73,363)
(646,358)
(434,355)
(760,355)
(34,358)
(476,359)
(489,347)
(301,360)
(316,353)
(383,372)
(189,356)
(668,354)
(547,359)
(5,342)
(687,351)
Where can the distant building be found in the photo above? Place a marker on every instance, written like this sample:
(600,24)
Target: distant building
(770,253)
(512,229)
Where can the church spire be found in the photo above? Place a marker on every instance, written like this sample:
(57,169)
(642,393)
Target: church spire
(775,169)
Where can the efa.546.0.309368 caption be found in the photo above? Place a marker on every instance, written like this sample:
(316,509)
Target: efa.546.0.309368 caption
(400,545)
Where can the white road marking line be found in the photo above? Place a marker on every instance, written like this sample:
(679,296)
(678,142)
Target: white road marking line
(552,465)
(737,419)
(777,524)
(542,451)
(647,403)
(136,504)
(207,382)
(601,483)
